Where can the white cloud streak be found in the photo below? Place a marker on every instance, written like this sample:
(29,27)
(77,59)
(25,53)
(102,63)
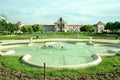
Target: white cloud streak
(47,11)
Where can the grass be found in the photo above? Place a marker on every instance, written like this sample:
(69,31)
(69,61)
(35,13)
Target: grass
(42,36)
(13,62)
(55,35)
(108,64)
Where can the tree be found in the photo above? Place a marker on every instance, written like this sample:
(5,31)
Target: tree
(7,27)
(3,16)
(36,28)
(116,26)
(24,29)
(87,28)
(113,26)
(109,26)
(3,25)
(15,27)
(30,29)
(3,22)
(0,26)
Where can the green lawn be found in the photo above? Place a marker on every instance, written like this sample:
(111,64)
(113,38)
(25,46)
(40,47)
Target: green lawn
(108,64)
(42,36)
(55,35)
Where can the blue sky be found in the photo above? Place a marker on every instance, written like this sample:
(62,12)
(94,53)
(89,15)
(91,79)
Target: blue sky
(48,11)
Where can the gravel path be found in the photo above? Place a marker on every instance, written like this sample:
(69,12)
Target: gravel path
(56,39)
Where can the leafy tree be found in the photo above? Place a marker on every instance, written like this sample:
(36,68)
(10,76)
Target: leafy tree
(24,29)
(14,28)
(30,29)
(36,28)
(113,26)
(7,27)
(116,26)
(87,28)
(3,25)
(0,26)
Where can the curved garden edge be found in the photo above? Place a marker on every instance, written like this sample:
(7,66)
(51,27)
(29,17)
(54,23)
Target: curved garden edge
(11,73)
(97,60)
(103,73)
(56,39)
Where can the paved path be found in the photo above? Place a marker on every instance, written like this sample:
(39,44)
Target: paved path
(56,39)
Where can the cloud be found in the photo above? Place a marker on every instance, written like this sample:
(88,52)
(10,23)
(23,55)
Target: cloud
(48,11)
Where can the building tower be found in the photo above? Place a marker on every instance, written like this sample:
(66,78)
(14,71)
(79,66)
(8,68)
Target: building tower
(60,25)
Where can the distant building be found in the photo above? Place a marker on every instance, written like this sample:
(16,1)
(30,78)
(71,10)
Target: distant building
(61,26)
(19,23)
(99,27)
(73,28)
(48,28)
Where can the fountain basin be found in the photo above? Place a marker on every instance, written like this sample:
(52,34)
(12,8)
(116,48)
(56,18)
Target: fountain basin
(61,54)
(97,60)
(72,55)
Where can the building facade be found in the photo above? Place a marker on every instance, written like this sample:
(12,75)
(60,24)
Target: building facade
(61,26)
(99,27)
(48,28)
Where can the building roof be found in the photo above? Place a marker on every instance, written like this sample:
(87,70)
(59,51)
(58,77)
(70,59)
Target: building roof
(60,20)
(100,23)
(73,25)
(47,25)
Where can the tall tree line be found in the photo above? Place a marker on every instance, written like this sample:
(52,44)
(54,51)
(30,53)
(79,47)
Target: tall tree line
(36,28)
(7,27)
(113,27)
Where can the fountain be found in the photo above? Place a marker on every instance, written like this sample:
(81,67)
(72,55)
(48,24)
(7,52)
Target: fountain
(90,43)
(10,52)
(30,42)
(61,54)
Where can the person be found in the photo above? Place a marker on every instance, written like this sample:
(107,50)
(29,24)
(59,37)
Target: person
(116,37)
(37,37)
(44,46)
(61,47)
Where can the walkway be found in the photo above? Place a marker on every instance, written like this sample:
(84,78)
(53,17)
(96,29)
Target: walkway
(56,39)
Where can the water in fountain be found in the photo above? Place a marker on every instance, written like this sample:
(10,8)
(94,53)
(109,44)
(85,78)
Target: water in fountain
(72,54)
(61,46)
(51,45)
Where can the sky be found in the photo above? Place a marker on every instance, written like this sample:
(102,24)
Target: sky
(72,11)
